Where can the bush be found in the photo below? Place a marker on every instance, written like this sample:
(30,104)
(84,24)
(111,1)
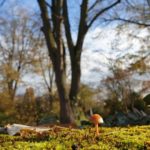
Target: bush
(114,106)
(146,99)
(140,104)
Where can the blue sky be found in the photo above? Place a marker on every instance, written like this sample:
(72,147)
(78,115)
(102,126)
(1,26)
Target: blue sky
(30,4)
(96,50)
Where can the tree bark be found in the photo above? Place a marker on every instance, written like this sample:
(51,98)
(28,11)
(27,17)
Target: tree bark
(66,114)
(75,51)
(57,54)
(75,82)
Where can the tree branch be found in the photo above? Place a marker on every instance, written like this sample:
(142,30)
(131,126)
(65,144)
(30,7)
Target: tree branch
(93,5)
(129,21)
(50,40)
(44,75)
(67,26)
(82,25)
(48,4)
(148,1)
(102,11)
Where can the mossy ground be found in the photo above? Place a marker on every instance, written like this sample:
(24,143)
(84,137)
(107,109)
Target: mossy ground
(115,138)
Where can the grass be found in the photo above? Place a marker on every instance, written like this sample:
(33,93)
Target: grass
(116,138)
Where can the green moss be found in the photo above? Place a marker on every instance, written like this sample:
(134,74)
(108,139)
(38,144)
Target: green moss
(116,138)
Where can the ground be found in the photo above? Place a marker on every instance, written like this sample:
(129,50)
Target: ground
(114,138)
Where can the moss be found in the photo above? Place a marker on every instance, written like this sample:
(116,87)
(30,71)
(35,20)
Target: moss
(126,138)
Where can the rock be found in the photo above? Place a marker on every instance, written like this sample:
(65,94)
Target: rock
(16,128)
(143,113)
(122,119)
(118,119)
(137,112)
(144,121)
(131,118)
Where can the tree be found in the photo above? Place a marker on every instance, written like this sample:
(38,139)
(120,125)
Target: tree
(118,86)
(26,108)
(44,68)
(55,16)
(121,85)
(137,12)
(18,46)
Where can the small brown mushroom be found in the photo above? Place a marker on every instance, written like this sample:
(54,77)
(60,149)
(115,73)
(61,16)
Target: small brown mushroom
(96,119)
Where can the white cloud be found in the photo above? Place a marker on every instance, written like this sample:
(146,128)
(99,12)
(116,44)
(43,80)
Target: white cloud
(98,48)
(31,80)
(96,52)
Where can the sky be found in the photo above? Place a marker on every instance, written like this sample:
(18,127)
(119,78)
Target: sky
(97,47)
(96,55)
(98,51)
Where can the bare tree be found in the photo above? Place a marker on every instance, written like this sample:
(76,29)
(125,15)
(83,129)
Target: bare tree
(18,45)
(55,16)
(137,13)
(45,69)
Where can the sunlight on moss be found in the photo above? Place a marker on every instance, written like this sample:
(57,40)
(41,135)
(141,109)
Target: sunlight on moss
(122,138)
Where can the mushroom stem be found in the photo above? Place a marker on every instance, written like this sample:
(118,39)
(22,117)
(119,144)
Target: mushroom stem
(97,130)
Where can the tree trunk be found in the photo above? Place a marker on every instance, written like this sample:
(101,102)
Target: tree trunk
(75,52)
(57,54)
(66,114)
(53,16)
(12,89)
(75,82)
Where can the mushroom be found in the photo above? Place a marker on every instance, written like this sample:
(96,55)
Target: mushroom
(96,119)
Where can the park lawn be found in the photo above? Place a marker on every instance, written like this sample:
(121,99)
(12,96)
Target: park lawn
(114,138)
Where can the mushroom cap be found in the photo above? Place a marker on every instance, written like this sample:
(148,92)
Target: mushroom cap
(96,118)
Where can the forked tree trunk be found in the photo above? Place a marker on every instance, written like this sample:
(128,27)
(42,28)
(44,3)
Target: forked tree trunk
(57,54)
(66,114)
(53,34)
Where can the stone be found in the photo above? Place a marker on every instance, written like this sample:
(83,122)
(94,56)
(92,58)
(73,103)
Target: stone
(16,128)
